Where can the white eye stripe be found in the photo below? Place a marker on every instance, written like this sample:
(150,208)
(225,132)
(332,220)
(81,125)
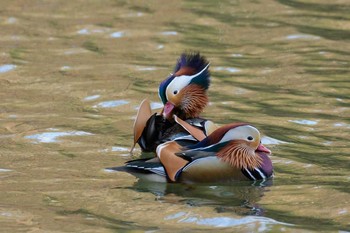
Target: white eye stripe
(179,82)
(241,133)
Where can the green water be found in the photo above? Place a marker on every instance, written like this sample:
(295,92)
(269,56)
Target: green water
(72,74)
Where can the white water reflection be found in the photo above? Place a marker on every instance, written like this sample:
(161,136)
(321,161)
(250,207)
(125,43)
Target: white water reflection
(341,124)
(116,149)
(111,104)
(119,148)
(11,20)
(327,143)
(117,34)
(271,141)
(252,222)
(86,31)
(146,68)
(228,69)
(156,105)
(304,122)
(5,170)
(83,31)
(302,36)
(74,51)
(133,14)
(92,97)
(51,137)
(65,68)
(169,33)
(7,67)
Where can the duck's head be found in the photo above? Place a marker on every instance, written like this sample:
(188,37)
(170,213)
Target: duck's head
(184,93)
(238,144)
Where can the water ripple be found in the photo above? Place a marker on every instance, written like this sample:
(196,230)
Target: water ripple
(50,137)
(302,36)
(5,170)
(228,69)
(92,97)
(304,122)
(156,105)
(11,20)
(169,33)
(116,149)
(86,31)
(117,34)
(65,68)
(83,31)
(146,68)
(263,222)
(271,141)
(111,104)
(341,124)
(7,67)
(237,55)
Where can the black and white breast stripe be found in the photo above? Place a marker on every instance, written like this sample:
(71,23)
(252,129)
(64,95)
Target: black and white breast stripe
(256,174)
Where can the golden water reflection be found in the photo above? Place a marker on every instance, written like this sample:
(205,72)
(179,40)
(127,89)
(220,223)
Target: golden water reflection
(73,73)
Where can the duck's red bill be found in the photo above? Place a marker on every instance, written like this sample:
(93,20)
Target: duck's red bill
(167,110)
(262,148)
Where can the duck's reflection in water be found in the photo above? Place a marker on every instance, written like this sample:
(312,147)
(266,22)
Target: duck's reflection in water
(240,197)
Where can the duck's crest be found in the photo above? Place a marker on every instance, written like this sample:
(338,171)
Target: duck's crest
(191,63)
(191,60)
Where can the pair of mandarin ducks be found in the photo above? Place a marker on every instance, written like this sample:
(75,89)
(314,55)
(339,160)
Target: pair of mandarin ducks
(188,148)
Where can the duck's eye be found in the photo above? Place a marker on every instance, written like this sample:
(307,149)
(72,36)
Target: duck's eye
(250,138)
(175,92)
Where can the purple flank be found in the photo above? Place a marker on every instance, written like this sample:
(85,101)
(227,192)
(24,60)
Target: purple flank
(266,165)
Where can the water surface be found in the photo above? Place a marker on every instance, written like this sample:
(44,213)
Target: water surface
(72,74)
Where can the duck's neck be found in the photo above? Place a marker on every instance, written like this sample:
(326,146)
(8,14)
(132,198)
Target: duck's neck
(239,155)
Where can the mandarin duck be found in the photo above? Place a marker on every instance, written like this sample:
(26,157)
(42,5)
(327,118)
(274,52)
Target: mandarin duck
(230,153)
(183,93)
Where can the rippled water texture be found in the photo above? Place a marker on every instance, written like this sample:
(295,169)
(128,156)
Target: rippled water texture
(72,74)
